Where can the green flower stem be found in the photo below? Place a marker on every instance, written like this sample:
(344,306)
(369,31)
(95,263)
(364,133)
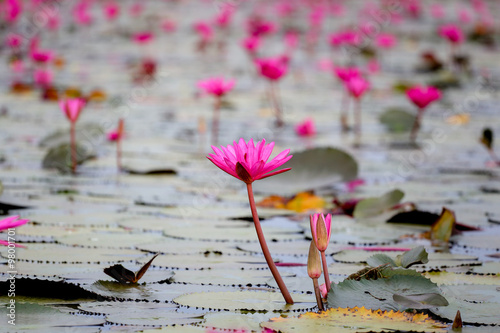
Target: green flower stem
(325,270)
(265,249)
(317,292)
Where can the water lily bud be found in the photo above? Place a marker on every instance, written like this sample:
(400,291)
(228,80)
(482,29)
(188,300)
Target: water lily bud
(321,234)
(313,262)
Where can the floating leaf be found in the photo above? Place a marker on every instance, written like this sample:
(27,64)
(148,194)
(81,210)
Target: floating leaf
(85,133)
(311,169)
(60,157)
(30,316)
(487,138)
(478,304)
(304,202)
(415,256)
(123,275)
(397,120)
(451,278)
(441,229)
(379,293)
(360,319)
(374,206)
(246,301)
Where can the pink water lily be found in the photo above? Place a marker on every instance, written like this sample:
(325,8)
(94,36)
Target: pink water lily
(143,37)
(71,108)
(306,128)
(10,222)
(423,96)
(357,86)
(346,73)
(386,40)
(111,10)
(452,32)
(249,162)
(321,229)
(272,68)
(217,86)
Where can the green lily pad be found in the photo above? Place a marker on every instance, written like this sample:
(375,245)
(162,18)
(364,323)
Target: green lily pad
(235,321)
(31,316)
(311,169)
(84,132)
(246,301)
(397,120)
(478,304)
(107,239)
(370,207)
(59,157)
(451,278)
(209,261)
(398,293)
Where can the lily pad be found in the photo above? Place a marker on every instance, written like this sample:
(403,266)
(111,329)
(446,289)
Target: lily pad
(356,320)
(32,316)
(311,169)
(370,207)
(85,132)
(59,157)
(397,120)
(391,293)
(246,301)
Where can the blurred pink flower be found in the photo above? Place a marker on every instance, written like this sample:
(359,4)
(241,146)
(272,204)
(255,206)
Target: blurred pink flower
(168,25)
(249,162)
(10,222)
(357,86)
(386,40)
(437,11)
(17,66)
(251,44)
(136,9)
(257,26)
(43,77)
(216,86)
(272,68)
(373,66)
(353,184)
(11,10)
(452,32)
(143,37)
(326,65)
(13,40)
(346,37)
(72,107)
(81,13)
(225,15)
(423,96)
(306,128)
(464,15)
(204,30)
(111,10)
(291,40)
(346,73)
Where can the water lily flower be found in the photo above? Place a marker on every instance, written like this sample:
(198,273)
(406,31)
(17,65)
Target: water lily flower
(72,108)
(452,32)
(111,10)
(10,222)
(143,37)
(306,128)
(386,40)
(43,77)
(249,162)
(357,86)
(437,11)
(216,86)
(314,272)
(421,97)
(346,73)
(13,40)
(251,44)
(321,229)
(274,69)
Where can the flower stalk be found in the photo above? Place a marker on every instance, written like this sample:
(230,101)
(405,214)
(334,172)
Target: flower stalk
(265,249)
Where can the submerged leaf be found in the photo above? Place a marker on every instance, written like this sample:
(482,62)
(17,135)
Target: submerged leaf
(340,320)
(60,157)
